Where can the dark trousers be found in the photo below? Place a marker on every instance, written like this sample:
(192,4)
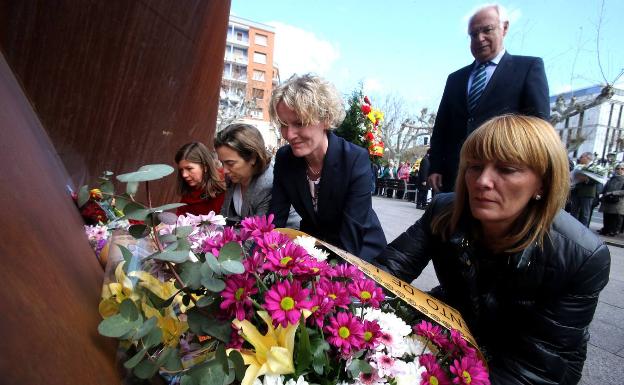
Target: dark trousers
(421,197)
(582,208)
(612,223)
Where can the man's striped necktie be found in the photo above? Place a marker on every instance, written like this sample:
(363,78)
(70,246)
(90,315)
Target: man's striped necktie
(478,85)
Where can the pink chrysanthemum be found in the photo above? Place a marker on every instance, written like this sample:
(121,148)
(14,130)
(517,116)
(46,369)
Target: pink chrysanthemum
(214,244)
(367,292)
(285,301)
(236,339)
(434,374)
(285,260)
(310,267)
(372,333)
(461,343)
(253,263)
(346,332)
(321,306)
(335,291)
(346,271)
(258,225)
(433,333)
(371,378)
(271,241)
(469,371)
(236,294)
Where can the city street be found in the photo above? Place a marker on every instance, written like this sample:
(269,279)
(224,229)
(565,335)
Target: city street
(605,353)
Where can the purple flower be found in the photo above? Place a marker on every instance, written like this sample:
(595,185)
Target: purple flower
(367,291)
(346,332)
(469,371)
(258,225)
(285,260)
(285,301)
(236,294)
(432,332)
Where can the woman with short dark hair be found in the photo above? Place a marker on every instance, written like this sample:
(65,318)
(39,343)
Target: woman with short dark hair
(248,171)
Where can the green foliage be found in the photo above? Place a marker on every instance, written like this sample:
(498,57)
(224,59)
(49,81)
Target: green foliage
(351,127)
(146,173)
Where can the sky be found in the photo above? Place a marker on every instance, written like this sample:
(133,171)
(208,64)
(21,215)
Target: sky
(408,47)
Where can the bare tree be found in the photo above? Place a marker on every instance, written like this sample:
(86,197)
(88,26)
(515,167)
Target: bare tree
(400,128)
(564,109)
(232,107)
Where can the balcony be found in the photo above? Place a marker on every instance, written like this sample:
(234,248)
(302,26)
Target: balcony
(235,78)
(237,59)
(232,39)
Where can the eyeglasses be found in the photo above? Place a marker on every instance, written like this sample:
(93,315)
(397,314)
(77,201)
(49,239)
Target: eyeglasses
(487,31)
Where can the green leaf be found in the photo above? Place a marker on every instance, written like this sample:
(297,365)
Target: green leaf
(211,266)
(146,328)
(213,374)
(231,250)
(128,310)
(168,218)
(146,173)
(158,302)
(172,246)
(232,267)
(304,350)
(172,256)
(239,364)
(132,188)
(145,369)
(138,231)
(167,238)
(187,380)
(153,338)
(221,358)
(115,326)
(213,284)
(152,220)
(184,244)
(107,188)
(83,195)
(190,274)
(134,361)
(172,361)
(202,324)
(358,366)
(319,349)
(169,206)
(136,211)
(121,202)
(204,301)
(184,231)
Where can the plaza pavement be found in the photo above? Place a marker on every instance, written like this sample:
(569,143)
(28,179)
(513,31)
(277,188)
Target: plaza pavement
(605,352)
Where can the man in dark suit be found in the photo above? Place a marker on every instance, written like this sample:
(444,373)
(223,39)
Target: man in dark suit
(495,83)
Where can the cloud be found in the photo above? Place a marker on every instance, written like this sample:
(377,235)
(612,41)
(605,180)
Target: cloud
(562,88)
(372,85)
(300,51)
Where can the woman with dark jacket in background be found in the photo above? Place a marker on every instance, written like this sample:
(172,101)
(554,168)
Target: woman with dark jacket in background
(612,202)
(524,274)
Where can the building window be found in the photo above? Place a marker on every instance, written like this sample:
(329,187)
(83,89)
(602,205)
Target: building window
(258,75)
(257,93)
(261,40)
(259,58)
(256,113)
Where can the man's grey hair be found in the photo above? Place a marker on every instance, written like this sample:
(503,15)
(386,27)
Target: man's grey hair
(589,155)
(503,16)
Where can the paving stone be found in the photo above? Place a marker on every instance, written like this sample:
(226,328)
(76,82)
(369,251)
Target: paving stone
(606,336)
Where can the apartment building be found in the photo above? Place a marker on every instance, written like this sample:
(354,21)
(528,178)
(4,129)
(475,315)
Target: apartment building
(599,129)
(249,72)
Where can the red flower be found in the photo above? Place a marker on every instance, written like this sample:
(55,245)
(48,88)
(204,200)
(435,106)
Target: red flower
(370,136)
(366,109)
(367,100)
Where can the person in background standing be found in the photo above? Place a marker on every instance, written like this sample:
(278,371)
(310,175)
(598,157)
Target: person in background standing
(584,190)
(422,184)
(495,83)
(612,202)
(402,174)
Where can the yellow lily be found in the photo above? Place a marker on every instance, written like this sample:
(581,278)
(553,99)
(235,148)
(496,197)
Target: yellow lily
(273,351)
(115,292)
(171,327)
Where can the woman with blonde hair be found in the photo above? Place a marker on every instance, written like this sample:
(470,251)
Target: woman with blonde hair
(524,274)
(325,178)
